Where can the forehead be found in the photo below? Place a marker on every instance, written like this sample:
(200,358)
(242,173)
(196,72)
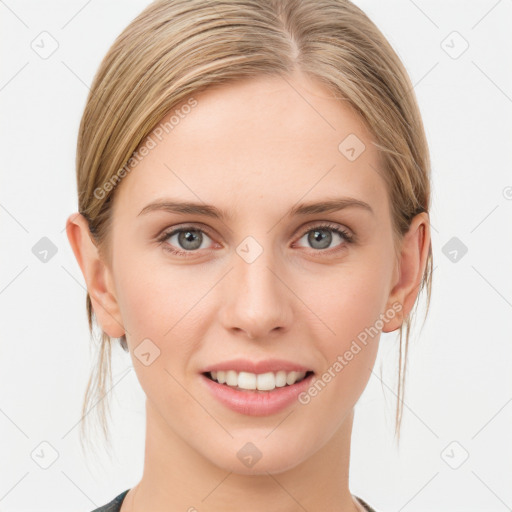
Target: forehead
(258,143)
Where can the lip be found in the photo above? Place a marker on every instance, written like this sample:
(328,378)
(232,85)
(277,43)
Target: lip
(264,366)
(255,402)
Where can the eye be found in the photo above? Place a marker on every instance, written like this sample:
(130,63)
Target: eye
(320,237)
(188,239)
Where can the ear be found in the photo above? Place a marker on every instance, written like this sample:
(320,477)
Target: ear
(97,275)
(409,270)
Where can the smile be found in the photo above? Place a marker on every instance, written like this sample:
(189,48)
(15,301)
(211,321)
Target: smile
(247,381)
(255,401)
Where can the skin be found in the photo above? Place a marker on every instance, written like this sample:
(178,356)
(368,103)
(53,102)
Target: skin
(253,148)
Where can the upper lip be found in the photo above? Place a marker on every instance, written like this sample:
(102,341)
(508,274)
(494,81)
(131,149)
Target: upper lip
(264,366)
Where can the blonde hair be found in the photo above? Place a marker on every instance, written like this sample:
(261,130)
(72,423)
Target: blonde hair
(176,48)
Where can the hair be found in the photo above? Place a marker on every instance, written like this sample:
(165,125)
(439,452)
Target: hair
(175,48)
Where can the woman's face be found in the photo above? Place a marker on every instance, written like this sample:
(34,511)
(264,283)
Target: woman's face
(263,282)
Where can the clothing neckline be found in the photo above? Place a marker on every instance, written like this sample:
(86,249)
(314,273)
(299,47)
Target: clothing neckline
(118,500)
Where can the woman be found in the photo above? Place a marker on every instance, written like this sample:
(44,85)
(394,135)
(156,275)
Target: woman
(253,182)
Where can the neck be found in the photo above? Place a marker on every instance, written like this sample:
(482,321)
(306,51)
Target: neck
(177,477)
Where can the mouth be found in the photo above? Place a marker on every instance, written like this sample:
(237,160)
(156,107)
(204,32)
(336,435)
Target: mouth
(258,382)
(257,394)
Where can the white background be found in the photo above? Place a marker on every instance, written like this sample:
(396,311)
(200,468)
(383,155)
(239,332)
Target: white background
(459,379)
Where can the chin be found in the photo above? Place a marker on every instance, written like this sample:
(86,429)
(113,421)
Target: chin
(259,455)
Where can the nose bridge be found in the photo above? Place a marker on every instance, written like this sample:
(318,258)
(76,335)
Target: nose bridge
(258,302)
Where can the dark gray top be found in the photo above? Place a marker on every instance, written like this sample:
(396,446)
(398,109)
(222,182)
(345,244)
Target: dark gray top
(115,504)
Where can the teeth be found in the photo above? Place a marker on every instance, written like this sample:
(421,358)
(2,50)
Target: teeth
(252,381)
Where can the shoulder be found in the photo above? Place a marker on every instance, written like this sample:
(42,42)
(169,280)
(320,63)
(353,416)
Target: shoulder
(365,505)
(114,505)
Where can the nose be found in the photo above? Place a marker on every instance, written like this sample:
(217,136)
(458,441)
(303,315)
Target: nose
(257,300)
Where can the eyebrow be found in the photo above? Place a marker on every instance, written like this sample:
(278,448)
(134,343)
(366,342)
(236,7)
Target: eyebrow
(188,207)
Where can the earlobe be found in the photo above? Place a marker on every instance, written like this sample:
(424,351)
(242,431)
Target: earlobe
(410,269)
(96,274)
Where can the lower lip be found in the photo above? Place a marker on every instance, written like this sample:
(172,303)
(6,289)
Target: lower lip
(257,403)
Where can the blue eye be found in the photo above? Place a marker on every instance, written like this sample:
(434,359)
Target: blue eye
(321,236)
(191,239)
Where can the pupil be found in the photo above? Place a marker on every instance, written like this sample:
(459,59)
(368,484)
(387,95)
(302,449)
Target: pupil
(190,237)
(317,236)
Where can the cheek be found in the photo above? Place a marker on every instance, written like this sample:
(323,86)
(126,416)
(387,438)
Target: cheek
(349,303)
(349,352)
(350,299)
(161,304)
(154,295)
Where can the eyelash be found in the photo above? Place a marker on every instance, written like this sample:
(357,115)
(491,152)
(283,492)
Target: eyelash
(326,226)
